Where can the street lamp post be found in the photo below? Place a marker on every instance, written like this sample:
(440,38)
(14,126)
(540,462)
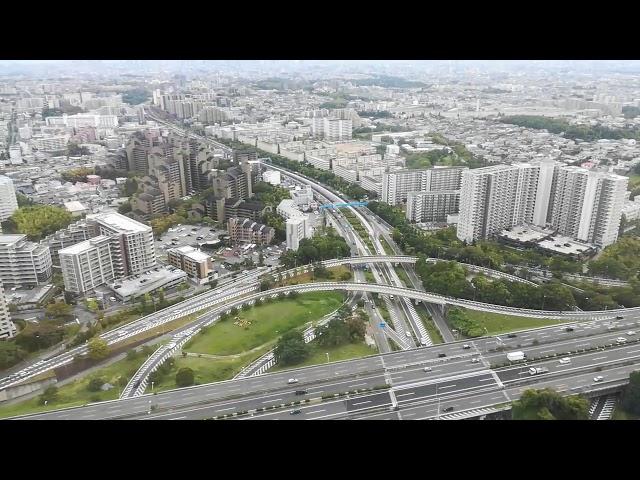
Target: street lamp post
(327,353)
(151,387)
(438,398)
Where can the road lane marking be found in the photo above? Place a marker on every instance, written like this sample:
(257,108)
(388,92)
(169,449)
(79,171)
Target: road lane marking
(357,385)
(599,358)
(361,403)
(273,400)
(315,411)
(447,386)
(179,418)
(405,394)
(224,409)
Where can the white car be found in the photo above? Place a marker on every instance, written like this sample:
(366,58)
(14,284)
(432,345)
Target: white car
(292,380)
(631,332)
(565,360)
(621,340)
(475,360)
(599,378)
(426,369)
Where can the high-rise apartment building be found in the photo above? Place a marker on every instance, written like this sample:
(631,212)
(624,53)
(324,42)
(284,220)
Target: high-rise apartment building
(87,265)
(7,328)
(23,262)
(74,233)
(432,206)
(396,185)
(576,202)
(234,183)
(8,200)
(132,248)
(195,263)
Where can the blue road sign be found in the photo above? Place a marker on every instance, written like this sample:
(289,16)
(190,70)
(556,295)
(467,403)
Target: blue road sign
(382,324)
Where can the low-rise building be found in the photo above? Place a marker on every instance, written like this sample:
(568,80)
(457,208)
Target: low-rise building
(244,230)
(195,263)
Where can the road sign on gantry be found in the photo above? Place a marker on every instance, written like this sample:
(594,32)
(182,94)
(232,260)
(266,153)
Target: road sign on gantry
(382,324)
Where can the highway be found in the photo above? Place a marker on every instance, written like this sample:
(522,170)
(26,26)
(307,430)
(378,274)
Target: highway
(462,383)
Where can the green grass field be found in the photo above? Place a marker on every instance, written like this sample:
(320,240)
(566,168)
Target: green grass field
(207,370)
(497,323)
(76,393)
(634,181)
(386,246)
(268,322)
(342,352)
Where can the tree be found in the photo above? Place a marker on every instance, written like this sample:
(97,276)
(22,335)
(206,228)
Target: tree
(547,404)
(57,310)
(161,299)
(260,259)
(320,271)
(132,354)
(38,221)
(291,348)
(92,305)
(334,333)
(357,328)
(98,348)
(185,377)
(50,395)
(95,384)
(130,186)
(183,286)
(265,285)
(631,395)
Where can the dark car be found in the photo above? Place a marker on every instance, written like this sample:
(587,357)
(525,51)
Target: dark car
(512,335)
(442,355)
(301,392)
(295,412)
(619,317)
(137,384)
(569,329)
(448,409)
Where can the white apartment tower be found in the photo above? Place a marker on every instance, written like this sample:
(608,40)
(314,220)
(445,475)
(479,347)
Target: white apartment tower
(7,328)
(132,248)
(396,185)
(8,200)
(574,201)
(87,265)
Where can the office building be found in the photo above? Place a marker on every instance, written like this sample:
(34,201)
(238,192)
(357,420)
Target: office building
(7,328)
(432,206)
(87,265)
(244,230)
(396,185)
(302,197)
(132,248)
(196,264)
(23,262)
(8,200)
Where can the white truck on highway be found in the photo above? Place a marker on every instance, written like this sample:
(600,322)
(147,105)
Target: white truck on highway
(538,370)
(515,356)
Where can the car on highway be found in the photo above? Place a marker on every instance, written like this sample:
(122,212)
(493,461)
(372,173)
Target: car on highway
(466,346)
(292,380)
(599,378)
(569,329)
(475,360)
(408,334)
(301,392)
(447,409)
(295,412)
(565,360)
(442,355)
(631,332)
(621,340)
(426,369)
(619,317)
(512,335)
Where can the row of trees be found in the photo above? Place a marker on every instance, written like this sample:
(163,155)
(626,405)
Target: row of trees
(547,404)
(583,132)
(315,249)
(450,278)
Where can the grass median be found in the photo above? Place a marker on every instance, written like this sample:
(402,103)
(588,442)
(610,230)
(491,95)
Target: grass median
(342,352)
(496,323)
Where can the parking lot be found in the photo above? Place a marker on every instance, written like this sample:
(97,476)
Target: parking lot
(186,235)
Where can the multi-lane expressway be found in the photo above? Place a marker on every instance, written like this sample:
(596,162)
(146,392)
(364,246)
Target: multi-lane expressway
(380,383)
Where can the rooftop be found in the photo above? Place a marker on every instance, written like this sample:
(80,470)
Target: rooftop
(83,246)
(526,233)
(9,239)
(565,245)
(153,280)
(119,222)
(192,253)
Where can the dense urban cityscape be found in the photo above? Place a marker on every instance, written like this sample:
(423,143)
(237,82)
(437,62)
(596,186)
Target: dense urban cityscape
(336,240)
